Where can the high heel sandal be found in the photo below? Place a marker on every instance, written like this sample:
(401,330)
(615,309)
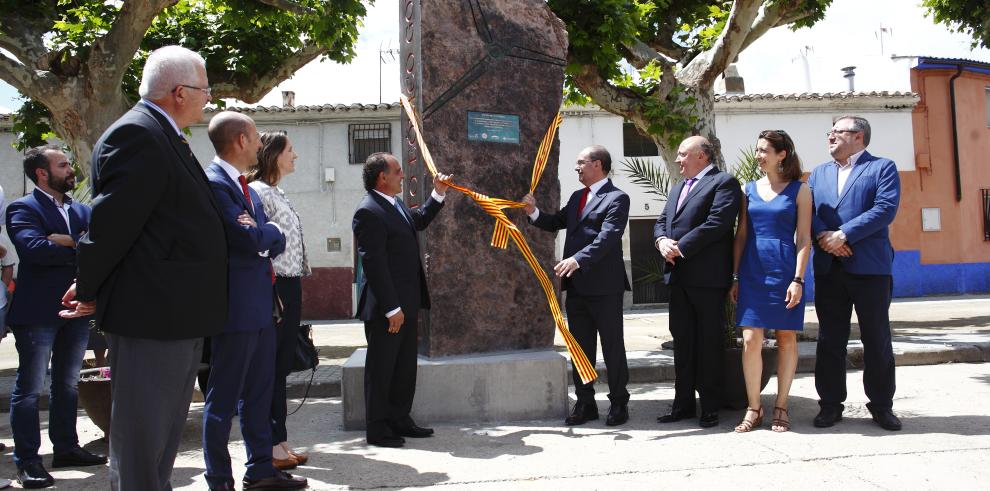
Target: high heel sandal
(747,425)
(779,424)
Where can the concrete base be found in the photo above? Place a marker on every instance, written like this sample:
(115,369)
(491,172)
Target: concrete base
(478,388)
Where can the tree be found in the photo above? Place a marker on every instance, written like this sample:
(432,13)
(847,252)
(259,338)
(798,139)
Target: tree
(655,62)
(971,17)
(79,61)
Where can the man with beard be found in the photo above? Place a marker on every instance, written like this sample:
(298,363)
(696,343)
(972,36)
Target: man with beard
(44,227)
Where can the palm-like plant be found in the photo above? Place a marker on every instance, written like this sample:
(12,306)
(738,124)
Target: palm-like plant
(655,180)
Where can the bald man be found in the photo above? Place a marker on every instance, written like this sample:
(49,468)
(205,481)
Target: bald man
(694,234)
(242,368)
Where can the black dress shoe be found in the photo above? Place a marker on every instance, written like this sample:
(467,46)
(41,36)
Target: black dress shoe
(281,480)
(886,419)
(708,420)
(828,416)
(33,476)
(387,441)
(674,416)
(617,415)
(414,431)
(78,457)
(581,414)
(227,486)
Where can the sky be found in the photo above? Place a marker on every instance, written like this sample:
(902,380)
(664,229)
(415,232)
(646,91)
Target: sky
(861,33)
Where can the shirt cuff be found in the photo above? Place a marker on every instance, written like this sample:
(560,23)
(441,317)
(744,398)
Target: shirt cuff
(437,196)
(842,235)
(536,214)
(392,312)
(263,253)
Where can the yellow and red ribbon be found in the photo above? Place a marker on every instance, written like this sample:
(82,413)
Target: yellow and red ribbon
(505,229)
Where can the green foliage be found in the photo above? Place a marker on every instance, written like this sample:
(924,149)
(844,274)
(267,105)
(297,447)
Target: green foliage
(647,175)
(970,17)
(747,167)
(30,124)
(241,40)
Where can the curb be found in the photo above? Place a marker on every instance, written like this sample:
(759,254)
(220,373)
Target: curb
(658,366)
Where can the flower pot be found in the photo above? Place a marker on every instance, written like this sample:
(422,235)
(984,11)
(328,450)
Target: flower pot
(733,381)
(95,399)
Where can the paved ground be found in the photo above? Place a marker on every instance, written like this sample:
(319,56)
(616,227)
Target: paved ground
(926,331)
(945,444)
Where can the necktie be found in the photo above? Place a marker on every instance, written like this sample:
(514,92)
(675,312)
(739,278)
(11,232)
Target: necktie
(398,207)
(244,189)
(684,191)
(584,201)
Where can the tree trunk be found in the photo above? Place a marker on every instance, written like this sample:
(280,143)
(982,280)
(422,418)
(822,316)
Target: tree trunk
(80,119)
(704,109)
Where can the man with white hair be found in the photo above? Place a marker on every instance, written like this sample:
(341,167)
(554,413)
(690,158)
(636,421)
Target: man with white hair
(153,267)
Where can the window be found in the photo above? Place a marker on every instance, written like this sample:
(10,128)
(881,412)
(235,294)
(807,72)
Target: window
(986,214)
(988,106)
(368,138)
(635,144)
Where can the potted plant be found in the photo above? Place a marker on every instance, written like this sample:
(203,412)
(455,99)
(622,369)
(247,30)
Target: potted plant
(655,180)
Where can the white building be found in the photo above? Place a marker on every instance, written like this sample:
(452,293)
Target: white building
(332,140)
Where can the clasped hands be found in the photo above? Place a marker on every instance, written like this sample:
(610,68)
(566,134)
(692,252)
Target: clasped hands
(668,249)
(834,243)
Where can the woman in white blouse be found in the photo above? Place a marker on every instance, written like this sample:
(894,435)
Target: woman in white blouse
(276,159)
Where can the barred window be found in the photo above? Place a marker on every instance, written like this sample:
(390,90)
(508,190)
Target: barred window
(635,144)
(367,138)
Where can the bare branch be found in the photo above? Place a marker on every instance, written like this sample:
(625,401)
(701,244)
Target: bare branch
(289,6)
(663,42)
(616,100)
(703,69)
(112,53)
(27,81)
(774,16)
(265,82)
(641,54)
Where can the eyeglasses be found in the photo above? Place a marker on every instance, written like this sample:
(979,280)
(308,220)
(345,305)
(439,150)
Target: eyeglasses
(208,91)
(584,162)
(832,132)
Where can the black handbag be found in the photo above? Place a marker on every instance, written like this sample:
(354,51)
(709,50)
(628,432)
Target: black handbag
(307,357)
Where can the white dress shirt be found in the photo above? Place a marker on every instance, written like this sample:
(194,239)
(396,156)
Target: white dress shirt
(846,168)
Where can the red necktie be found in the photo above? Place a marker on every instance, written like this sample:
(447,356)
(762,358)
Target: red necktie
(247,196)
(244,188)
(584,200)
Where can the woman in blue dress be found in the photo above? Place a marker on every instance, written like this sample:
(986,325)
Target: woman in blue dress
(772,246)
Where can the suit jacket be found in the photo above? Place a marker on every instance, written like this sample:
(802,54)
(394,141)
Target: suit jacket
(389,251)
(703,229)
(594,240)
(46,269)
(249,274)
(155,257)
(863,212)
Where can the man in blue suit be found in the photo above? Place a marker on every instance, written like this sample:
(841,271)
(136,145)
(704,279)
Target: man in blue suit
(242,367)
(694,234)
(44,227)
(594,276)
(855,200)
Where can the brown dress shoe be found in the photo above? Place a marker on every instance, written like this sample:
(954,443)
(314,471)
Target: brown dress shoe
(301,458)
(285,464)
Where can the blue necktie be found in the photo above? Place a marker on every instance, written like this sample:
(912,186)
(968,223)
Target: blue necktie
(398,206)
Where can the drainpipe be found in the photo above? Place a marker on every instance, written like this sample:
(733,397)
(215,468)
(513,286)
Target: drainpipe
(955,131)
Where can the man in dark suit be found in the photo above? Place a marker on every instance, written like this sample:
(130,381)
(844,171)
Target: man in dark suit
(44,227)
(855,200)
(153,266)
(393,290)
(242,366)
(594,276)
(694,234)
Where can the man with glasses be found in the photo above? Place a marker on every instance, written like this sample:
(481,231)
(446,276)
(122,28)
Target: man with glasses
(855,200)
(153,267)
(593,274)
